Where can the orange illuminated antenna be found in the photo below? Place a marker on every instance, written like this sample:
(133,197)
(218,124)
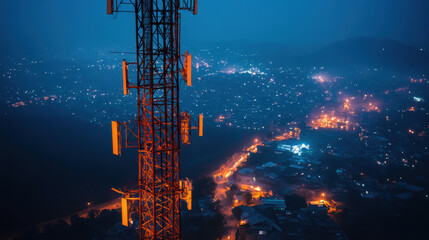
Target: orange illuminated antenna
(124,206)
(125,76)
(200,125)
(187,69)
(186,127)
(186,186)
(116,138)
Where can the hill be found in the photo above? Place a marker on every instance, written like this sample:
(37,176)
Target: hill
(372,53)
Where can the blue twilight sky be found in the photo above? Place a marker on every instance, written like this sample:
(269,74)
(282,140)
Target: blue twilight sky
(66,25)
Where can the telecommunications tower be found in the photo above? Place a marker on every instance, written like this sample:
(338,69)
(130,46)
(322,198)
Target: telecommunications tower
(159,128)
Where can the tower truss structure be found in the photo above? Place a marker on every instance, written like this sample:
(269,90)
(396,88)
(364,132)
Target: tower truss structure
(156,132)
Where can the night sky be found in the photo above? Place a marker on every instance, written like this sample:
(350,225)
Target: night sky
(63,26)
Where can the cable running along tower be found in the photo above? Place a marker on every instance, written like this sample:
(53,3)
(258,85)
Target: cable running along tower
(160,128)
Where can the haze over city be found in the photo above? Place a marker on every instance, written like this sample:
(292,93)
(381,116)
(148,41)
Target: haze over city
(315,119)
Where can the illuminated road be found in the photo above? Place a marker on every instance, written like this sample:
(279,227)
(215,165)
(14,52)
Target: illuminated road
(223,179)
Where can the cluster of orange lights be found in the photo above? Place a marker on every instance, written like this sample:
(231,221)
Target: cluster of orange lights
(421,80)
(347,105)
(332,122)
(256,191)
(221,118)
(289,135)
(323,200)
(347,111)
(371,107)
(319,79)
(366,107)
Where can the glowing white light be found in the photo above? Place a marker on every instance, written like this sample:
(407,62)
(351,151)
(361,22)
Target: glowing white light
(295,149)
(418,99)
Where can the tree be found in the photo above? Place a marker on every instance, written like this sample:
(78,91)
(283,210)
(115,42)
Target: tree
(236,212)
(234,188)
(94,227)
(294,202)
(203,187)
(230,194)
(198,227)
(247,198)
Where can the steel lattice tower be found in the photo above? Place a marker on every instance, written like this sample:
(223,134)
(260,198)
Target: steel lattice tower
(157,128)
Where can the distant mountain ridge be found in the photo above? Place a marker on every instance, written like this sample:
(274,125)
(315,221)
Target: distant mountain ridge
(370,52)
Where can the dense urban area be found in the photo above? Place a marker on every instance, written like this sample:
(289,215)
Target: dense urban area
(332,153)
